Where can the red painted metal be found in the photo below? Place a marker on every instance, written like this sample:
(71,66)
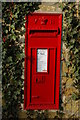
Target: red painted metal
(41,89)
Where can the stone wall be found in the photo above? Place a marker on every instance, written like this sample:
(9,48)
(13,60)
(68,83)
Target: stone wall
(70,107)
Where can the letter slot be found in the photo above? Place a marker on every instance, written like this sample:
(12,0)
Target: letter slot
(44,33)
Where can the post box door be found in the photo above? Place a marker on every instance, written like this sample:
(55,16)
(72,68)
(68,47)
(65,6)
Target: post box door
(42,61)
(43,76)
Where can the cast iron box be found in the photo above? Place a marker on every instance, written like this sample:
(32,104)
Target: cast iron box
(42,60)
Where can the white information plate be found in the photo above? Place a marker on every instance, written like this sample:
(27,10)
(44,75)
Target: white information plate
(42,60)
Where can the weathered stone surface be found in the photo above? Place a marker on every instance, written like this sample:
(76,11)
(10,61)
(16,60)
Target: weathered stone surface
(51,113)
(49,7)
(22,114)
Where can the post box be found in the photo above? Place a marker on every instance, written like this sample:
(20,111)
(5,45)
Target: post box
(42,60)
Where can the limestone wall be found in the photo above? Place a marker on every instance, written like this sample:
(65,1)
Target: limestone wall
(70,107)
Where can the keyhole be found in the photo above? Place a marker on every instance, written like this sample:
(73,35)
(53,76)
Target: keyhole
(36,80)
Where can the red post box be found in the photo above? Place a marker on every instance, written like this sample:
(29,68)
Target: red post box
(42,61)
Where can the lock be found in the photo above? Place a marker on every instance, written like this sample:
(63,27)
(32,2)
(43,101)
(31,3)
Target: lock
(40,79)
